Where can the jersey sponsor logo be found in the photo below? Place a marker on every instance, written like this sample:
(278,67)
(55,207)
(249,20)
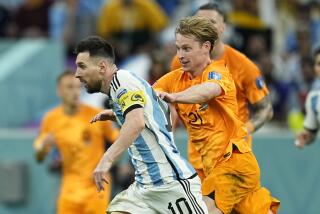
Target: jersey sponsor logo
(122,92)
(214,75)
(260,82)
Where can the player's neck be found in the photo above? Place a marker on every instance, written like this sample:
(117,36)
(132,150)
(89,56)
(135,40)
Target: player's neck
(217,51)
(200,69)
(105,88)
(70,109)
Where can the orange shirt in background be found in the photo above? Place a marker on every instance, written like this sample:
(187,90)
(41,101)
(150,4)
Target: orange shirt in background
(213,126)
(80,145)
(249,83)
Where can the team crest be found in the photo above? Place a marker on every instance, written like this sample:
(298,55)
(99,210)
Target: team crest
(260,82)
(214,75)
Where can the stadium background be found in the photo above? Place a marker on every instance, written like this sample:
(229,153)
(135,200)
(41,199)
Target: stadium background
(36,42)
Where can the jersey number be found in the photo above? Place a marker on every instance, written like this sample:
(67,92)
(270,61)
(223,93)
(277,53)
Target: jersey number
(178,202)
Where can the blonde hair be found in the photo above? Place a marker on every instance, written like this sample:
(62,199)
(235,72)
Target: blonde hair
(201,28)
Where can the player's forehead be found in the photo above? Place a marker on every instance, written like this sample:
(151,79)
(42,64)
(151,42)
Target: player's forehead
(185,40)
(82,57)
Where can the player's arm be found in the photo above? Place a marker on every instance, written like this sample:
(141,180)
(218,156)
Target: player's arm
(132,127)
(262,113)
(44,141)
(195,94)
(311,125)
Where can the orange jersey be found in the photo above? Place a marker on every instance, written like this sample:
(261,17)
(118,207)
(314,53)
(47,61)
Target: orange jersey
(80,145)
(214,126)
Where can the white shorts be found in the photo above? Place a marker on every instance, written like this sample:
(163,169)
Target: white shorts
(179,197)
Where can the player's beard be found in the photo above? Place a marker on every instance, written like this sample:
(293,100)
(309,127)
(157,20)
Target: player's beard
(94,88)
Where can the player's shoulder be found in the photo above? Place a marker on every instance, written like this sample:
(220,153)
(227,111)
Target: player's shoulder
(241,59)
(90,109)
(219,66)
(53,113)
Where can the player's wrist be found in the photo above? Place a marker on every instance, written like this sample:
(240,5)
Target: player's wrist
(250,126)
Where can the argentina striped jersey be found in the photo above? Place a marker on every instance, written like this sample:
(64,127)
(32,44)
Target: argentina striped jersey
(154,154)
(312,106)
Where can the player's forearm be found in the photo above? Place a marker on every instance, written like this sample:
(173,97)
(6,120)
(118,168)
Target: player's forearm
(262,113)
(198,94)
(129,132)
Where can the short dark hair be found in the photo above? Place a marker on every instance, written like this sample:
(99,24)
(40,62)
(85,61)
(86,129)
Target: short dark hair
(215,7)
(96,46)
(67,72)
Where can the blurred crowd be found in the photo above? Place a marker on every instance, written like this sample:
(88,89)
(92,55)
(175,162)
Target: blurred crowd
(278,35)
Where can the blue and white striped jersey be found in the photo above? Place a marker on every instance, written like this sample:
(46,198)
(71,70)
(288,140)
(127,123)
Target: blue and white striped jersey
(154,154)
(312,105)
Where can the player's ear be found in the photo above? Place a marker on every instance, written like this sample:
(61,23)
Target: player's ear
(207,45)
(102,66)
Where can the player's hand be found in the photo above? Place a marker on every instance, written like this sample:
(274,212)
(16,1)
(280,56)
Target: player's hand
(302,139)
(100,173)
(103,115)
(169,98)
(48,141)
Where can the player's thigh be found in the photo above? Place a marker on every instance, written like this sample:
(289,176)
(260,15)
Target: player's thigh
(233,180)
(258,202)
(68,207)
(97,203)
(130,201)
(183,196)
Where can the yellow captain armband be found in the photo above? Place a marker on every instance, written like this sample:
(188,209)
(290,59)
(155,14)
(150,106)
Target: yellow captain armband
(131,100)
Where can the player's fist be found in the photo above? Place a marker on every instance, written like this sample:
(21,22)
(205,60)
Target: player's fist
(169,98)
(103,115)
(302,139)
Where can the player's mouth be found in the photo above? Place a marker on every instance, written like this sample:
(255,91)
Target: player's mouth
(184,63)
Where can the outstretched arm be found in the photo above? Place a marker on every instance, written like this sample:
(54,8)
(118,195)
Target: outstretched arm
(132,127)
(262,113)
(195,94)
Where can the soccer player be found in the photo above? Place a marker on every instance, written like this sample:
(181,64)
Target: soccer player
(312,105)
(204,95)
(80,145)
(250,86)
(164,181)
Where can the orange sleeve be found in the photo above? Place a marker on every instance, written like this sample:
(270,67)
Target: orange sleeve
(44,130)
(164,83)
(254,84)
(110,131)
(175,64)
(220,75)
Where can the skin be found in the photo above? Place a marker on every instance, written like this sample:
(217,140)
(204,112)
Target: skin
(68,90)
(307,137)
(96,74)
